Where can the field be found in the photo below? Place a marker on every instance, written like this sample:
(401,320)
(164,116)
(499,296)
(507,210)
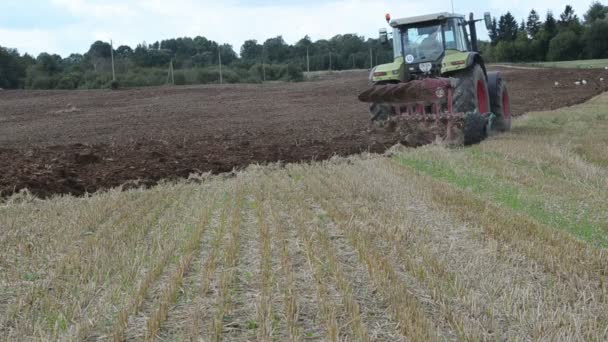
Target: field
(590,63)
(74,142)
(504,240)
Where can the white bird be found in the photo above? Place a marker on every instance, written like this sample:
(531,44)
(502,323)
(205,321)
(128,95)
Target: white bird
(584,82)
(577,83)
(557,84)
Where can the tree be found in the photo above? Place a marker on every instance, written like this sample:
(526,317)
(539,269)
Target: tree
(493,33)
(227,53)
(124,51)
(73,60)
(49,64)
(100,49)
(507,27)
(567,18)
(533,25)
(596,39)
(12,70)
(565,46)
(251,50)
(550,25)
(276,49)
(596,11)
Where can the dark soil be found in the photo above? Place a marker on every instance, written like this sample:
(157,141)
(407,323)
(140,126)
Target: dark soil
(73,142)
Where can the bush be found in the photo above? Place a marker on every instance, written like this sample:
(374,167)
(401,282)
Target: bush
(114,85)
(596,39)
(42,82)
(294,73)
(565,46)
(206,75)
(180,78)
(69,81)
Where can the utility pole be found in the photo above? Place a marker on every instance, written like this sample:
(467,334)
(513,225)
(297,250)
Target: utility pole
(171,71)
(353,61)
(263,65)
(329,60)
(452,6)
(219,57)
(371,58)
(307,60)
(112,55)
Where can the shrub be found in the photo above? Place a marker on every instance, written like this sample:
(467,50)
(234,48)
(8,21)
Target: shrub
(206,75)
(180,78)
(565,46)
(69,81)
(114,85)
(294,73)
(42,82)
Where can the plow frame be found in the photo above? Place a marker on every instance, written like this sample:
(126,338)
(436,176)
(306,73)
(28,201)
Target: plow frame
(427,101)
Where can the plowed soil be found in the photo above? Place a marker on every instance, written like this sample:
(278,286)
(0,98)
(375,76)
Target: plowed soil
(73,142)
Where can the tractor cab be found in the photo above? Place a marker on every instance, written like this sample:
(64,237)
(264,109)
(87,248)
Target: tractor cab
(432,44)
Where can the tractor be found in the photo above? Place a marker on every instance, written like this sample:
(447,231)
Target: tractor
(437,87)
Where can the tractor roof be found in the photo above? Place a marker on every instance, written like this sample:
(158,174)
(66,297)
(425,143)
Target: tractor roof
(423,18)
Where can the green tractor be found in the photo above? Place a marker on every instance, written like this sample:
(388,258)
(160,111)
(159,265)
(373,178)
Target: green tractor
(438,86)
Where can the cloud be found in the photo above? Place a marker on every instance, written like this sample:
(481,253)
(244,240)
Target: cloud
(133,21)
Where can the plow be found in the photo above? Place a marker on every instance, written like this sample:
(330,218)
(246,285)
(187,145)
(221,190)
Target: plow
(437,88)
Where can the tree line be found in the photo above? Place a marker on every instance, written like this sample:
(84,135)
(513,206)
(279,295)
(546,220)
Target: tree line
(566,37)
(195,61)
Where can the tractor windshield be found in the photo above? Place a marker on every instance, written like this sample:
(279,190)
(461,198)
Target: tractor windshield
(422,43)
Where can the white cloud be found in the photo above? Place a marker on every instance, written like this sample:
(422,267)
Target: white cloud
(133,21)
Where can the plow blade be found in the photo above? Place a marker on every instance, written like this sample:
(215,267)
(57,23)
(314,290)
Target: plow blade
(422,111)
(426,90)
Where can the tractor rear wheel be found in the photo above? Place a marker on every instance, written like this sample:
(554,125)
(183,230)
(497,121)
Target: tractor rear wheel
(500,103)
(471,91)
(471,97)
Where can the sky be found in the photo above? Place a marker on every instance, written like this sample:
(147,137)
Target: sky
(71,26)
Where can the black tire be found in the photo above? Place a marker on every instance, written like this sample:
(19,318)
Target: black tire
(465,90)
(475,128)
(500,102)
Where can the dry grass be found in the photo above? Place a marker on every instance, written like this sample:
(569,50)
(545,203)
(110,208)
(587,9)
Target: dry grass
(501,241)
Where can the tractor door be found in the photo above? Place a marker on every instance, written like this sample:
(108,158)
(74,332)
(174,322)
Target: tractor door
(456,35)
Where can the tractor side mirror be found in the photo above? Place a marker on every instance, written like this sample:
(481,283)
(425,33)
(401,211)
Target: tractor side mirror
(383,36)
(488,20)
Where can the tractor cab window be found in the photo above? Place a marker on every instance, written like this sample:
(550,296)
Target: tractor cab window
(422,43)
(455,35)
